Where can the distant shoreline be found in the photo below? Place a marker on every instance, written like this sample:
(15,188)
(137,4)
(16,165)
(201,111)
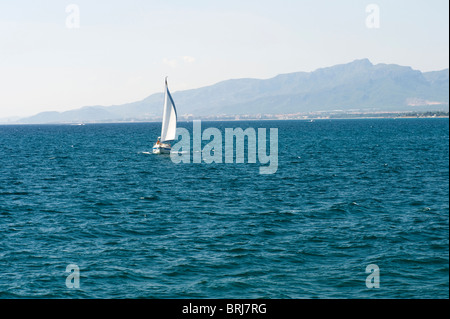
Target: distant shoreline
(331,116)
(269,117)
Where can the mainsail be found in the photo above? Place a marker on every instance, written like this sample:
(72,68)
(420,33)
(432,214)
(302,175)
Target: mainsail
(169,121)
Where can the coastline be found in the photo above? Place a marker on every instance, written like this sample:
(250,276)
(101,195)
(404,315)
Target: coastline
(269,117)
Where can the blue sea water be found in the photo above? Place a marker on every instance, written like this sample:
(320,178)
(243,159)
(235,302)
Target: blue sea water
(347,194)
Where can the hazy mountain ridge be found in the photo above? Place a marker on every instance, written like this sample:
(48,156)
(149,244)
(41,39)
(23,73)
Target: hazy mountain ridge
(357,85)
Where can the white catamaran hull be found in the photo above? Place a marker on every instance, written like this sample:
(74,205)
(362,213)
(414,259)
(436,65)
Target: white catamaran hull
(161,148)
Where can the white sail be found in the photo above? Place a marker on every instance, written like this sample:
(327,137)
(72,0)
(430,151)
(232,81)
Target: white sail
(169,121)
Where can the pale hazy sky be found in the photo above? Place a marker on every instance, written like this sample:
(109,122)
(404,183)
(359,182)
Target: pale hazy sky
(120,51)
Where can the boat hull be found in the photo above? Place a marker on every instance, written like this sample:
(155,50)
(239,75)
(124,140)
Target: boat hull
(161,148)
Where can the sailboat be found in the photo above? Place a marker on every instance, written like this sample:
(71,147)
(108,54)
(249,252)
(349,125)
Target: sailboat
(169,124)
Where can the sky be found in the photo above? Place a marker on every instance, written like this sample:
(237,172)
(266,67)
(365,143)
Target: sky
(58,55)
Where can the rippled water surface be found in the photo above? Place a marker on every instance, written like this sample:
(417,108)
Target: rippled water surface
(347,194)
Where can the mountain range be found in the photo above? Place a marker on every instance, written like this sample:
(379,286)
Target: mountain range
(355,86)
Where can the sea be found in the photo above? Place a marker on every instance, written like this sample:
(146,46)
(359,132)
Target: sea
(357,208)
